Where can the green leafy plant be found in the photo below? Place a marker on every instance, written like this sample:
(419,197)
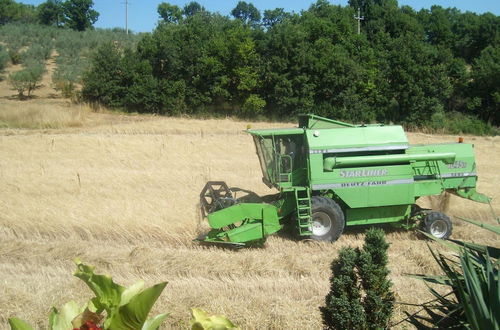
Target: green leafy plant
(473,298)
(116,307)
(113,307)
(372,267)
(200,320)
(360,295)
(26,80)
(344,309)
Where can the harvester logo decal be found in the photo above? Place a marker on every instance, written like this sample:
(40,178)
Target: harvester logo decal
(363,173)
(361,184)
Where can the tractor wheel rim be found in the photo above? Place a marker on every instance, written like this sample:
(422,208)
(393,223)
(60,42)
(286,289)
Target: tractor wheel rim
(321,224)
(438,228)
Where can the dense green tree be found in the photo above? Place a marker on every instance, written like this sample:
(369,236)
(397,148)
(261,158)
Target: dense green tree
(103,83)
(419,84)
(437,23)
(404,67)
(246,12)
(169,13)
(79,14)
(473,33)
(51,12)
(11,11)
(485,85)
(273,17)
(192,8)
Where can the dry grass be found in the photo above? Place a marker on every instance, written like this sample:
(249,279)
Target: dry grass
(41,114)
(121,193)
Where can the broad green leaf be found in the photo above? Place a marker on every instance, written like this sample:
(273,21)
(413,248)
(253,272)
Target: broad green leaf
(492,251)
(131,292)
(107,292)
(133,315)
(198,314)
(61,320)
(202,321)
(87,315)
(18,324)
(443,242)
(492,228)
(154,323)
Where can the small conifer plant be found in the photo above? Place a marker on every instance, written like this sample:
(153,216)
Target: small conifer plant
(360,294)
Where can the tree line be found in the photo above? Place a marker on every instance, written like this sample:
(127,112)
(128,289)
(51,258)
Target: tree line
(435,67)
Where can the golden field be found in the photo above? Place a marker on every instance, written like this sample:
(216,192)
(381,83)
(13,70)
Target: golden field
(121,193)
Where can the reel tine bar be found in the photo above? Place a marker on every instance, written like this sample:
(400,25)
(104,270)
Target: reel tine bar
(211,193)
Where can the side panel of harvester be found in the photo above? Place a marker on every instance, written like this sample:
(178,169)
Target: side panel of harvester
(377,176)
(361,184)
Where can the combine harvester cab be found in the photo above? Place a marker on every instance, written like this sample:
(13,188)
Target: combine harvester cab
(331,174)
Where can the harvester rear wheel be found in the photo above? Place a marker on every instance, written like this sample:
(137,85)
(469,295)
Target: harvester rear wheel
(437,224)
(327,219)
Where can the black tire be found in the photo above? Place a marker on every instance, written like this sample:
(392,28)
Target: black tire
(327,219)
(437,224)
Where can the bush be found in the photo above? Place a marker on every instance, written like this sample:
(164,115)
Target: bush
(37,52)
(26,80)
(360,296)
(372,268)
(4,58)
(459,123)
(15,57)
(253,106)
(343,308)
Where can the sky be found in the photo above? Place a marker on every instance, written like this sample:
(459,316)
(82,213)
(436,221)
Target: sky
(142,15)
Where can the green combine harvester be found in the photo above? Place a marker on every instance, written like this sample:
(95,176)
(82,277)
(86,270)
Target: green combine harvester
(331,174)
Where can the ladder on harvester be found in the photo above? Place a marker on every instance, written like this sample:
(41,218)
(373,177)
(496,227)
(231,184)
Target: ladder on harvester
(303,201)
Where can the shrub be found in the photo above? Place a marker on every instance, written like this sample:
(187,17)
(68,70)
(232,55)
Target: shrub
(15,57)
(459,123)
(372,267)
(4,58)
(26,80)
(360,295)
(343,308)
(253,105)
(37,52)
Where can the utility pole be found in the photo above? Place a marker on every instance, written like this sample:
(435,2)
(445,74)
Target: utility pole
(359,18)
(126,16)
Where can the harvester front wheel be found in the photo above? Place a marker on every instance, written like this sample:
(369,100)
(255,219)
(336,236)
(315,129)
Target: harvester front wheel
(327,219)
(438,225)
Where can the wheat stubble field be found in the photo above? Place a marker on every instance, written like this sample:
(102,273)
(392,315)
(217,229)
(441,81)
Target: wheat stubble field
(123,196)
